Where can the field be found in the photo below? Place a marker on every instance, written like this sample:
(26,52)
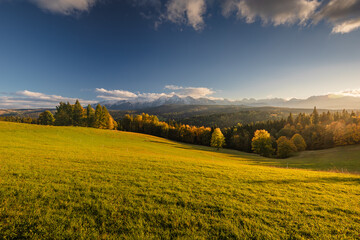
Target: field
(341,159)
(76,183)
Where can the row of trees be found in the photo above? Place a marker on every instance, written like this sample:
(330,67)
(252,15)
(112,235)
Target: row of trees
(317,131)
(150,124)
(263,144)
(75,115)
(19,119)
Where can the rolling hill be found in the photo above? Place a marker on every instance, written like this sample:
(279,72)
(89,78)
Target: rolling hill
(74,183)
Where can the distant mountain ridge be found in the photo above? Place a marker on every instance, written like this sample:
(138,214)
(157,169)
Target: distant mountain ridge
(330,101)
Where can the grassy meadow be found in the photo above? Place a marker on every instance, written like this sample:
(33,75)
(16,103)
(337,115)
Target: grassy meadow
(84,183)
(340,159)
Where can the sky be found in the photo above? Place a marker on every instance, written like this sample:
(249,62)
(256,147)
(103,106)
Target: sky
(96,50)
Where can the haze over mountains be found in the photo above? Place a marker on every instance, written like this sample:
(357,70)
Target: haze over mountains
(329,101)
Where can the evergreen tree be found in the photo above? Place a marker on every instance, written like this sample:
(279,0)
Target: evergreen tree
(90,116)
(290,119)
(78,114)
(315,117)
(64,114)
(98,116)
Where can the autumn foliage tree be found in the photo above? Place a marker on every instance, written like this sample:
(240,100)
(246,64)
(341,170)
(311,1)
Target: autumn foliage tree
(262,144)
(217,139)
(285,147)
(299,142)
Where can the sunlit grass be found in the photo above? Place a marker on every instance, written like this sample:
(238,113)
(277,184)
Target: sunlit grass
(67,182)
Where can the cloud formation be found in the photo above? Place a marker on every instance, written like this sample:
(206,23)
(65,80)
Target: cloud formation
(189,12)
(114,94)
(276,12)
(66,7)
(117,95)
(195,92)
(344,15)
(29,99)
(348,93)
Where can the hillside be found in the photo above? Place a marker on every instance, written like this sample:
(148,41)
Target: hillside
(72,182)
(340,159)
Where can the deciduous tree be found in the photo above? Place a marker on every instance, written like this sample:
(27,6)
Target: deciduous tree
(217,139)
(261,143)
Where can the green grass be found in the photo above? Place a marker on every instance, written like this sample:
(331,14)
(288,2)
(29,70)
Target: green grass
(77,183)
(341,159)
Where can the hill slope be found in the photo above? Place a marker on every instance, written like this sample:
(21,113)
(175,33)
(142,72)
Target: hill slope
(66,182)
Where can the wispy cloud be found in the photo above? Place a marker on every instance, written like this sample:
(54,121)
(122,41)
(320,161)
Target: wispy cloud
(343,15)
(114,94)
(29,99)
(195,92)
(66,7)
(347,93)
(276,12)
(188,12)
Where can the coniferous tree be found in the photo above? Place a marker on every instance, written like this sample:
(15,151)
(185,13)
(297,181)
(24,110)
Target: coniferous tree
(290,119)
(98,116)
(78,114)
(315,117)
(107,120)
(90,116)
(64,114)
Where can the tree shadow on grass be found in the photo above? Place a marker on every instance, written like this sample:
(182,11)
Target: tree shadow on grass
(160,142)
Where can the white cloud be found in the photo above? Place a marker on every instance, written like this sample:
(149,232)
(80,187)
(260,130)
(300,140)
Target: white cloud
(28,99)
(189,12)
(348,93)
(276,12)
(344,15)
(66,7)
(176,90)
(114,94)
(173,87)
(347,26)
(195,92)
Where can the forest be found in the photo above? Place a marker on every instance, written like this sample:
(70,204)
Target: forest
(272,138)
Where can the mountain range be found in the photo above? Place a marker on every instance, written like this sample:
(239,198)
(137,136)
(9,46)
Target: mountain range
(330,101)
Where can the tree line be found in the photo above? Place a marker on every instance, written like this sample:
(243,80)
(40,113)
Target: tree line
(318,131)
(272,138)
(75,115)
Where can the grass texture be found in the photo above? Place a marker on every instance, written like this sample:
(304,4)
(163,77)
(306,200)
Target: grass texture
(83,183)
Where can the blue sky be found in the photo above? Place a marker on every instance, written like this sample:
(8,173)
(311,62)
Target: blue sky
(53,50)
